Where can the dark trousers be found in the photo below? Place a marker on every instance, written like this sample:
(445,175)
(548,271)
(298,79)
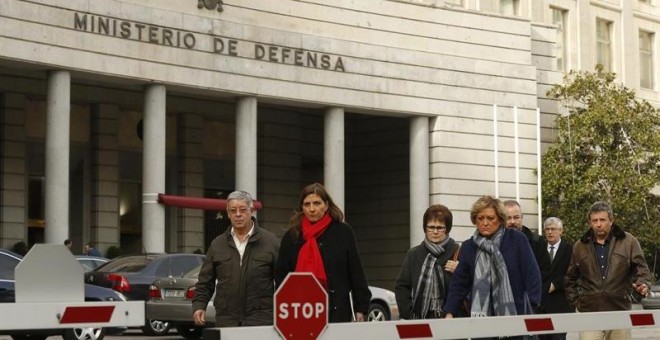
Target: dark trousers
(557,336)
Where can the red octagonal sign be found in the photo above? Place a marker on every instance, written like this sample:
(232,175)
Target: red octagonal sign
(301,307)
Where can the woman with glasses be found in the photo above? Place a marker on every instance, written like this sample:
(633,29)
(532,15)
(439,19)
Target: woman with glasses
(428,267)
(496,267)
(319,242)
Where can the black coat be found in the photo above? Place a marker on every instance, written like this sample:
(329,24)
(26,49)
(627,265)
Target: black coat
(540,248)
(556,302)
(410,271)
(343,269)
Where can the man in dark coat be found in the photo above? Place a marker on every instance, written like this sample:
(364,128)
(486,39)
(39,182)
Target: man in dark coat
(239,267)
(514,219)
(554,300)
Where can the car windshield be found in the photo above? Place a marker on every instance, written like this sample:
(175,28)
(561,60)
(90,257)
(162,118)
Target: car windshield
(131,264)
(194,273)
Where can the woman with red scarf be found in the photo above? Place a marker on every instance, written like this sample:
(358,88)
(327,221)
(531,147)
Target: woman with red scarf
(321,243)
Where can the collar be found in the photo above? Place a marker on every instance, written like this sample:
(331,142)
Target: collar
(556,245)
(249,234)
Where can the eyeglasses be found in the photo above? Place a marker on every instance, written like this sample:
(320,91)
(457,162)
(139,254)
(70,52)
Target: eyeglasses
(242,211)
(436,228)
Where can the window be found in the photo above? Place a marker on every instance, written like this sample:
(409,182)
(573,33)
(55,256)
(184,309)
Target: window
(454,2)
(559,19)
(645,60)
(604,44)
(509,7)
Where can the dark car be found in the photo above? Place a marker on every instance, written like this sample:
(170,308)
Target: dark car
(132,276)
(652,301)
(8,262)
(90,263)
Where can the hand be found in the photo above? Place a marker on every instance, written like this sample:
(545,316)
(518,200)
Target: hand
(450,266)
(449,316)
(359,317)
(199,316)
(552,288)
(641,288)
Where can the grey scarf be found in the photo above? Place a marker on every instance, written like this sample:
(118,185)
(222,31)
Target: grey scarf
(429,294)
(491,290)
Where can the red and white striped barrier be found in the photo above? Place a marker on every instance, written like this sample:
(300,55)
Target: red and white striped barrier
(462,328)
(52,315)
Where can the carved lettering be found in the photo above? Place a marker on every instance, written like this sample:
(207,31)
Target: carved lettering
(176,38)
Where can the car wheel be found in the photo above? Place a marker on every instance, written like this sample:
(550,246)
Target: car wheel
(377,312)
(156,327)
(189,331)
(87,333)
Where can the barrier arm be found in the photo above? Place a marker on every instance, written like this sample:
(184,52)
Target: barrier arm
(461,328)
(49,294)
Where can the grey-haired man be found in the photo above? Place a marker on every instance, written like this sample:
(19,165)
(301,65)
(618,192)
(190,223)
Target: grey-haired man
(241,261)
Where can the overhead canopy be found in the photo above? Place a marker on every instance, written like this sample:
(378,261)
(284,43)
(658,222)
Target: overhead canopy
(197,202)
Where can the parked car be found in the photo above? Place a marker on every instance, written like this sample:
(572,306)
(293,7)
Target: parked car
(8,262)
(171,299)
(383,305)
(652,301)
(90,263)
(133,275)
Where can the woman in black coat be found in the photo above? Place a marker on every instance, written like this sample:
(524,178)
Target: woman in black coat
(321,243)
(424,279)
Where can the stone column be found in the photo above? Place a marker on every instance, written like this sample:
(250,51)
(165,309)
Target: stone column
(333,155)
(190,226)
(58,117)
(153,169)
(419,176)
(105,228)
(13,170)
(246,145)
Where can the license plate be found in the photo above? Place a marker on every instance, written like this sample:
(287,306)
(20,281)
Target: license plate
(177,293)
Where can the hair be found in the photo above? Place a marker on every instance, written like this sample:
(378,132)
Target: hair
(91,244)
(438,212)
(318,189)
(485,202)
(598,207)
(241,195)
(512,203)
(553,221)
(67,242)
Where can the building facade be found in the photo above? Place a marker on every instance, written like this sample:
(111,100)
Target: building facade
(393,105)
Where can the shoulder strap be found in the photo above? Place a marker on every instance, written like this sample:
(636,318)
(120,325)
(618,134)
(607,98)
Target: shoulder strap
(455,257)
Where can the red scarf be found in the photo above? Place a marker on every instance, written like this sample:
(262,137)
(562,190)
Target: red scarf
(309,256)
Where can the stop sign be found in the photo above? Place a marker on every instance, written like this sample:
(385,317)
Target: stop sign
(301,307)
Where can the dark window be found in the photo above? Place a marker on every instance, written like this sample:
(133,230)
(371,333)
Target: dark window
(7,265)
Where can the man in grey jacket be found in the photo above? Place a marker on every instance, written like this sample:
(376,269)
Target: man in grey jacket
(241,261)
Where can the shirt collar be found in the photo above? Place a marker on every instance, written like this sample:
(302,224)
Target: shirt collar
(249,234)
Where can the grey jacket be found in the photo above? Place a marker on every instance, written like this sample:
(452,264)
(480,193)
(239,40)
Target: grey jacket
(244,292)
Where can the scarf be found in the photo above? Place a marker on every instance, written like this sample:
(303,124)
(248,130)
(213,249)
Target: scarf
(309,256)
(428,297)
(491,289)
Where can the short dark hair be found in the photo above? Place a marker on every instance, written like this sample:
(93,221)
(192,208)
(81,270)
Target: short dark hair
(438,212)
(67,242)
(598,207)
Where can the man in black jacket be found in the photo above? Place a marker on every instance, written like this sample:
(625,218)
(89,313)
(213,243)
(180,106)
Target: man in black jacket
(514,219)
(554,300)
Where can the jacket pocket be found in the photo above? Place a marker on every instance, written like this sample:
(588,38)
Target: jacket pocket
(223,266)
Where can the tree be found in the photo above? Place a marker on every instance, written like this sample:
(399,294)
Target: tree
(607,149)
